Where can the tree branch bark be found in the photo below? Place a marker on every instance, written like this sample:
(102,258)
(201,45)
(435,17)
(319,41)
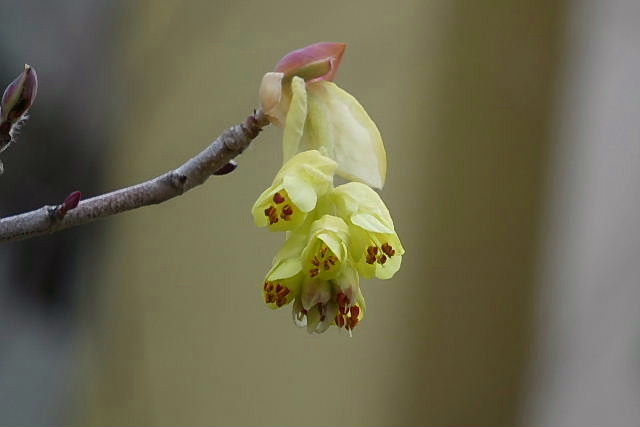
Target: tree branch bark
(174,183)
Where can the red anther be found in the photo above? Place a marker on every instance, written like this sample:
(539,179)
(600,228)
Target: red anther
(265,285)
(323,251)
(278,287)
(353,321)
(283,292)
(270,210)
(355,311)
(273,220)
(326,265)
(342,299)
(287,210)
(333,260)
(269,287)
(340,320)
(382,259)
(278,198)
(388,249)
(313,272)
(286,216)
(269,298)
(372,250)
(280,302)
(371,259)
(315,261)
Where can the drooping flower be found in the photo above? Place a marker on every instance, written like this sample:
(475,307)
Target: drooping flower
(317,114)
(326,251)
(294,193)
(375,246)
(323,303)
(316,253)
(314,269)
(282,283)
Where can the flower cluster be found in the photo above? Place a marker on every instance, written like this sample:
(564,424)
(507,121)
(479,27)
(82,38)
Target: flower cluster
(334,234)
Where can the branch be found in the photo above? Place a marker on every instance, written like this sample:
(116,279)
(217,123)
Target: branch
(174,183)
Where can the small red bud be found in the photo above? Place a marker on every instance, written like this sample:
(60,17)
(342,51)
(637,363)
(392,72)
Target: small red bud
(71,201)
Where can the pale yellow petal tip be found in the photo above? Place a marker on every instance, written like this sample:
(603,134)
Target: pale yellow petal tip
(270,94)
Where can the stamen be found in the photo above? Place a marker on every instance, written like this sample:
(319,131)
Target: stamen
(388,249)
(315,261)
(382,259)
(283,292)
(340,320)
(353,321)
(355,311)
(313,272)
(372,252)
(278,198)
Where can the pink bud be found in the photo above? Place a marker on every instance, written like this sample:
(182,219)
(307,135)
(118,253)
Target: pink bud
(19,96)
(71,201)
(315,62)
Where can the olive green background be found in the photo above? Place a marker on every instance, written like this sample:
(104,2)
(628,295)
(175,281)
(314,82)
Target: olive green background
(178,333)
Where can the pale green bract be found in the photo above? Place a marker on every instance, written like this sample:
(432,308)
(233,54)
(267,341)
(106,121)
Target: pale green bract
(322,116)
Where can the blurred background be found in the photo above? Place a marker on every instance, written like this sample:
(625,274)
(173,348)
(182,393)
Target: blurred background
(512,137)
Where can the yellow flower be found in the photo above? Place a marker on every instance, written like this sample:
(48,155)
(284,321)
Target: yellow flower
(375,246)
(282,283)
(323,303)
(317,114)
(294,193)
(326,251)
(314,269)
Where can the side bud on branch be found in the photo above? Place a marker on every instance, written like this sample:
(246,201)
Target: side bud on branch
(16,101)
